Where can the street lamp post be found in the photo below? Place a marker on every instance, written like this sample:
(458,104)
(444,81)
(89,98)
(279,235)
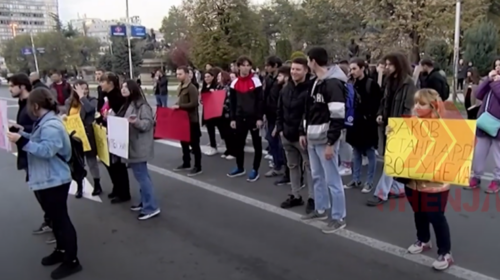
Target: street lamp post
(130,65)
(33,50)
(456,47)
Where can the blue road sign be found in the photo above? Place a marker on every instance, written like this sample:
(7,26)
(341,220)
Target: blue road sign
(118,30)
(138,31)
(26,51)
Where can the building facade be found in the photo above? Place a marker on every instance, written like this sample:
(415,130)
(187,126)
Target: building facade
(98,28)
(22,16)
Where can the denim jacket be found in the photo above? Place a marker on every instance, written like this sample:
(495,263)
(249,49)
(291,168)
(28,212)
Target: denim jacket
(47,139)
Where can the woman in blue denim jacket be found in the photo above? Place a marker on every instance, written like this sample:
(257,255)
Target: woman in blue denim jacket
(141,147)
(48,149)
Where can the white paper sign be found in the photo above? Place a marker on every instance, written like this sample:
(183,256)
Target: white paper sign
(118,136)
(4,127)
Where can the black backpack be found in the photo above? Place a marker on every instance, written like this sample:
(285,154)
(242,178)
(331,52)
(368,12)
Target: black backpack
(76,162)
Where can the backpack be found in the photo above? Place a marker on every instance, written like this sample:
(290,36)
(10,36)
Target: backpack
(351,102)
(76,162)
(446,94)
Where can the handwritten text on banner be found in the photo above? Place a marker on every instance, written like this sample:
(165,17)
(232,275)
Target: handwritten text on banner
(118,136)
(437,150)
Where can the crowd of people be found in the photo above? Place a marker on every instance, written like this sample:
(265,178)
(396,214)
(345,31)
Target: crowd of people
(321,121)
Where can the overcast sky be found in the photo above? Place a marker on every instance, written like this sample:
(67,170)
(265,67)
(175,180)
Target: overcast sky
(151,12)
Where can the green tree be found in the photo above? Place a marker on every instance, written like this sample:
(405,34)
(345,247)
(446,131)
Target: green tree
(121,58)
(222,30)
(105,62)
(12,52)
(283,49)
(175,25)
(439,50)
(480,42)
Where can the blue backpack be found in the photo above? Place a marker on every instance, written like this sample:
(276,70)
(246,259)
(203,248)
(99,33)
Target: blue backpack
(350,104)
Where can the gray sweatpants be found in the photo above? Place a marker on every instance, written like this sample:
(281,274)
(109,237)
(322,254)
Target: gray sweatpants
(297,157)
(93,164)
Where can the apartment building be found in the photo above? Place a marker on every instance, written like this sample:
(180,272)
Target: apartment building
(18,16)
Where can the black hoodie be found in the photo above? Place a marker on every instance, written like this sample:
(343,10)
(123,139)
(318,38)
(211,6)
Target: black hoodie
(115,101)
(23,119)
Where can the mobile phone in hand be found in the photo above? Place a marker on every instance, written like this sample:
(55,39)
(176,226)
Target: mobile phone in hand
(14,129)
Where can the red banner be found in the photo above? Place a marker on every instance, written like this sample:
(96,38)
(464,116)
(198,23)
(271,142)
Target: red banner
(172,124)
(213,104)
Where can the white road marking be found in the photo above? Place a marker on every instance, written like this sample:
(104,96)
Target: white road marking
(87,189)
(394,250)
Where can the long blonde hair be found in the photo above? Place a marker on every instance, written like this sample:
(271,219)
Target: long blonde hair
(430,97)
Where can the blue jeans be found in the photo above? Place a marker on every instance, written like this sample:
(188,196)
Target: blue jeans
(141,174)
(387,184)
(357,164)
(275,147)
(161,100)
(327,181)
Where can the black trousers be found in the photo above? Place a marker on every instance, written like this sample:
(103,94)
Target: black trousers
(428,209)
(54,202)
(243,127)
(119,178)
(195,147)
(460,84)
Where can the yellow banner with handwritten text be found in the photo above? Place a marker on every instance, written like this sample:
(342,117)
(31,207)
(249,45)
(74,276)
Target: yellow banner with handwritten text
(438,150)
(74,123)
(101,141)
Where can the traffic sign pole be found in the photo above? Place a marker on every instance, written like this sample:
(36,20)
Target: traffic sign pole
(130,65)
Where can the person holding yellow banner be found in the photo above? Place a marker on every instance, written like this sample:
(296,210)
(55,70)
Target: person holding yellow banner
(428,199)
(81,103)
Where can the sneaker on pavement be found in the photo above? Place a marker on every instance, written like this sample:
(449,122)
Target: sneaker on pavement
(333,226)
(210,151)
(344,171)
(253,176)
(57,256)
(195,171)
(50,240)
(282,181)
(143,217)
(136,208)
(475,183)
(352,184)
(230,157)
(66,269)
(44,228)
(268,157)
(315,215)
(310,206)
(374,201)
(273,173)
(493,187)
(292,201)
(182,167)
(236,172)
(419,247)
(443,262)
(367,188)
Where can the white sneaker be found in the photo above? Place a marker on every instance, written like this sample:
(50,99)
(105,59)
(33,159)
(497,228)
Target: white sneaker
(418,247)
(229,157)
(211,151)
(344,171)
(223,156)
(268,157)
(365,161)
(443,262)
(144,217)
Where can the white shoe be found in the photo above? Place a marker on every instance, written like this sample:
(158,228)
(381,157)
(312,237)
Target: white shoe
(365,161)
(344,171)
(418,247)
(443,262)
(229,157)
(268,157)
(211,151)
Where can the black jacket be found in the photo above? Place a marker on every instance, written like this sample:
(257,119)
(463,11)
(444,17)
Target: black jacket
(364,132)
(325,108)
(291,108)
(435,81)
(246,98)
(23,119)
(162,86)
(271,94)
(398,99)
(38,84)
(205,88)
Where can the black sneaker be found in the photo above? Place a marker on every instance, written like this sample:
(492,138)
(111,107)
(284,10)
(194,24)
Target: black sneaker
(44,228)
(111,195)
(352,185)
(195,171)
(97,187)
(310,206)
(143,217)
(56,257)
(136,208)
(79,194)
(182,167)
(375,201)
(292,201)
(66,269)
(282,181)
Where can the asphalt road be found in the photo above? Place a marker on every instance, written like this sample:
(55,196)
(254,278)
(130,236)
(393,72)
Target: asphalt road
(214,227)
